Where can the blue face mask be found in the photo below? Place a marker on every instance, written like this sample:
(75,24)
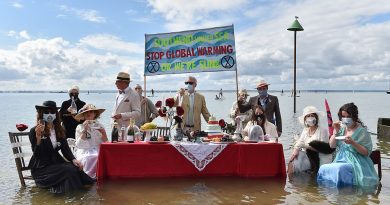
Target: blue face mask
(190,88)
(263,93)
(347,121)
(49,117)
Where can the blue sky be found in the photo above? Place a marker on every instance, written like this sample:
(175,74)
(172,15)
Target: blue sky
(51,45)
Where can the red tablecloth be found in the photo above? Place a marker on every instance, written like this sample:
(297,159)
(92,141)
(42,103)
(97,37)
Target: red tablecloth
(124,160)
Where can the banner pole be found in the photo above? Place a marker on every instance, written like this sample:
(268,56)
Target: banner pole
(236,84)
(145,100)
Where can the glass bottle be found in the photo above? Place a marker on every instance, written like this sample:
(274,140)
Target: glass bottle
(122,133)
(132,131)
(73,105)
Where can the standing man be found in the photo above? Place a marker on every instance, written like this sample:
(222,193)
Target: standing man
(269,103)
(67,113)
(194,104)
(148,110)
(127,104)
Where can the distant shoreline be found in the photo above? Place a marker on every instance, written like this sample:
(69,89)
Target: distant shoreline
(170,91)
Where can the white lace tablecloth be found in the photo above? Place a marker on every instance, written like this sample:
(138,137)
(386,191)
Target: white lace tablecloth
(200,155)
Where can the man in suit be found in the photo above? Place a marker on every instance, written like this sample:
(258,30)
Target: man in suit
(127,104)
(194,105)
(148,109)
(269,103)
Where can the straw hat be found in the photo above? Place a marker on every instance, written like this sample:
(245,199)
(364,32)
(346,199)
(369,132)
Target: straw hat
(87,108)
(47,104)
(74,87)
(123,76)
(262,83)
(310,110)
(243,91)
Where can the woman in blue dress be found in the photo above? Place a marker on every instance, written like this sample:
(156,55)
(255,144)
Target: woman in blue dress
(352,164)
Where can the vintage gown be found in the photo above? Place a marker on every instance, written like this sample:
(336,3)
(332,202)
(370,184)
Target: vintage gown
(363,171)
(50,170)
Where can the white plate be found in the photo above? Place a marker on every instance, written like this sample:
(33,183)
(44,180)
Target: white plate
(340,138)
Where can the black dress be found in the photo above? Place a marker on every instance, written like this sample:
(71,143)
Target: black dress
(50,170)
(69,122)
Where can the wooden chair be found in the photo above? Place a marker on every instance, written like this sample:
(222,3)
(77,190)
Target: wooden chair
(162,131)
(376,159)
(72,145)
(18,141)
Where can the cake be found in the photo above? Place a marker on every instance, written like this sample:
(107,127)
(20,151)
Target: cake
(213,126)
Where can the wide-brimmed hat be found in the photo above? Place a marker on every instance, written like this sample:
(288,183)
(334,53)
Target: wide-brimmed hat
(243,91)
(310,110)
(262,83)
(74,87)
(87,108)
(47,105)
(123,76)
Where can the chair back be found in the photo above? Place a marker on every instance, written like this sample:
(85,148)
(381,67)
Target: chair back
(162,131)
(376,159)
(21,148)
(72,145)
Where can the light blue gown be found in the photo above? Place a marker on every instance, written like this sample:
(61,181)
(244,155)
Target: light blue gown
(362,172)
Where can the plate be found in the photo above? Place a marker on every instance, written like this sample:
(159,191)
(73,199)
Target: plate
(340,138)
(158,142)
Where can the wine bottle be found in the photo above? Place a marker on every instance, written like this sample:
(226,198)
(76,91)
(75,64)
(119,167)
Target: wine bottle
(73,106)
(132,130)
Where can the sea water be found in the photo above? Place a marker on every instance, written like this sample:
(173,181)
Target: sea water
(20,108)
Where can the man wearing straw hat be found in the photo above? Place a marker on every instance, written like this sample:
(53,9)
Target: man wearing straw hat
(269,103)
(127,104)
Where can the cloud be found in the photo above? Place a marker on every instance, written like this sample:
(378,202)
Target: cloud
(111,43)
(22,34)
(17,5)
(84,14)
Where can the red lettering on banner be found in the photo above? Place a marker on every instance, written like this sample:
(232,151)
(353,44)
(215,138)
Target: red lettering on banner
(154,55)
(209,50)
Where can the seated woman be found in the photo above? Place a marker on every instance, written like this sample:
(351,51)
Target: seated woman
(48,167)
(89,136)
(258,118)
(304,156)
(352,164)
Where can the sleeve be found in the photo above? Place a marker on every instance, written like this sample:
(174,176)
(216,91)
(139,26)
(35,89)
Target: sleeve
(364,138)
(81,143)
(135,107)
(205,111)
(153,109)
(233,111)
(36,149)
(65,149)
(273,132)
(278,116)
(300,143)
(246,129)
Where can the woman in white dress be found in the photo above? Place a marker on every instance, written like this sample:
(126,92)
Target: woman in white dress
(258,118)
(89,136)
(312,131)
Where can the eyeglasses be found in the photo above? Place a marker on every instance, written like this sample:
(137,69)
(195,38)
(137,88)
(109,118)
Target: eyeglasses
(49,112)
(262,88)
(190,83)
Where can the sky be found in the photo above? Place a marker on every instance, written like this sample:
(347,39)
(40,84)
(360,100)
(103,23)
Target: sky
(52,45)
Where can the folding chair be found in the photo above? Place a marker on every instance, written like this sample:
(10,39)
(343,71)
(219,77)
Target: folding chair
(19,140)
(376,159)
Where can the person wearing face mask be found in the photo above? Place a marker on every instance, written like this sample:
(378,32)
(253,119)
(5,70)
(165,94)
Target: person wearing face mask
(268,102)
(148,109)
(258,118)
(235,111)
(48,168)
(352,164)
(67,113)
(194,105)
(304,156)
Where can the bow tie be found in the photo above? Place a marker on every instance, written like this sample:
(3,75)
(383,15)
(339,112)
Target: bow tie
(121,92)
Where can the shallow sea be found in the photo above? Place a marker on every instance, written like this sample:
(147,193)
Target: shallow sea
(19,108)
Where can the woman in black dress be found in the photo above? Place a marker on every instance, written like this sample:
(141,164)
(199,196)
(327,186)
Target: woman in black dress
(48,167)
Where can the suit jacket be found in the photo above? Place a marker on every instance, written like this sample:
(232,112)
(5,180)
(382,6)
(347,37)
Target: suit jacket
(129,107)
(45,155)
(68,121)
(199,108)
(272,110)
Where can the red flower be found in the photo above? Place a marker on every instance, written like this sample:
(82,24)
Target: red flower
(161,113)
(170,102)
(158,104)
(179,111)
(21,127)
(222,123)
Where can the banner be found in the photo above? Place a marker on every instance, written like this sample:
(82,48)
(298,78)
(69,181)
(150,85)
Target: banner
(204,50)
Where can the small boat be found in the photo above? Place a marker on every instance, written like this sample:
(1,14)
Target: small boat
(388,91)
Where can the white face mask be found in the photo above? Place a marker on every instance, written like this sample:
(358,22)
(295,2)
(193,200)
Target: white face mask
(311,121)
(190,88)
(49,117)
(347,121)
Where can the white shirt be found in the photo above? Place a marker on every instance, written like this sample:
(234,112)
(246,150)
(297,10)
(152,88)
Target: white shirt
(120,96)
(190,116)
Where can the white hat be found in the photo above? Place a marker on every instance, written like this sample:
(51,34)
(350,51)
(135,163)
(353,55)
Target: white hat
(262,83)
(310,110)
(74,87)
(88,108)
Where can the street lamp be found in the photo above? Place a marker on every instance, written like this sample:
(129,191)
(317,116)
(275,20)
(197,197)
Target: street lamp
(295,26)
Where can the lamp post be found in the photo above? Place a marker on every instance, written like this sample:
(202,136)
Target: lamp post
(295,26)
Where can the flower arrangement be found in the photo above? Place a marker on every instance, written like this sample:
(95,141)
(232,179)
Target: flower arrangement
(168,112)
(228,128)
